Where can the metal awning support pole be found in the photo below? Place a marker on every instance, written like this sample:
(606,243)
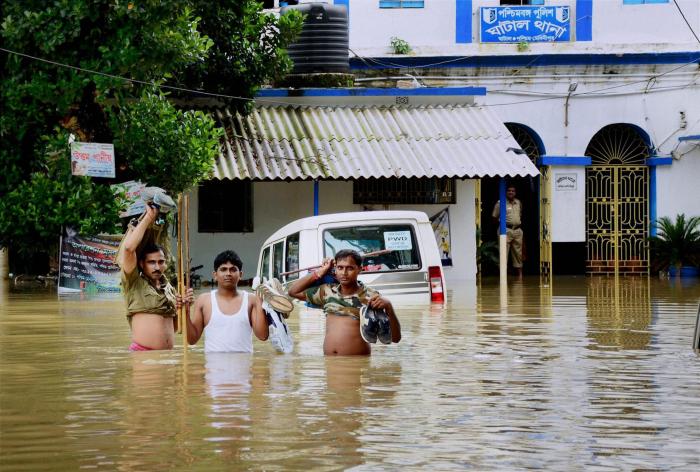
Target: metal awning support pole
(502,237)
(315,197)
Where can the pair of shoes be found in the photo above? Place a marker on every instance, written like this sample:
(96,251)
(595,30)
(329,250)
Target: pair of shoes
(156,196)
(280,337)
(374,324)
(273,293)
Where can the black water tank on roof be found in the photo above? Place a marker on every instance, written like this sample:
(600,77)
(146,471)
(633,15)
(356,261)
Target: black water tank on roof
(322,45)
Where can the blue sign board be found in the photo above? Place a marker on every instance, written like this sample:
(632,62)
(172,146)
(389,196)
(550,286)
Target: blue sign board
(525,24)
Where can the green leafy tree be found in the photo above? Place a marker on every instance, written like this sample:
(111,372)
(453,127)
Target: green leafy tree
(677,243)
(226,47)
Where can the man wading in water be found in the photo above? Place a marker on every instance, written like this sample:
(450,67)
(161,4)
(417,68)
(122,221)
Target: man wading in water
(342,302)
(151,301)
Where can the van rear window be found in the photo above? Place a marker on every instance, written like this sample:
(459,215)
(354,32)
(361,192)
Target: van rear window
(399,242)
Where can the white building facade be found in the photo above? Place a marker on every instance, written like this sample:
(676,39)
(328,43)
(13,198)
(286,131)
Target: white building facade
(602,95)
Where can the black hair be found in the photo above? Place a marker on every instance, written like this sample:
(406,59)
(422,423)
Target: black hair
(148,249)
(228,256)
(511,186)
(345,253)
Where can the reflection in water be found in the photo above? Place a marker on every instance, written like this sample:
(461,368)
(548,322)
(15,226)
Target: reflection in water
(619,313)
(576,375)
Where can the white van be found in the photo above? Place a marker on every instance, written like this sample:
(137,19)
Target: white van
(408,271)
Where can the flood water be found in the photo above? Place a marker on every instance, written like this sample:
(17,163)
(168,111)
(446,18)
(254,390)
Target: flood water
(582,375)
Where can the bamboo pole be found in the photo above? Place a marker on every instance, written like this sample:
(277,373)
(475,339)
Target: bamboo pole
(187,269)
(180,280)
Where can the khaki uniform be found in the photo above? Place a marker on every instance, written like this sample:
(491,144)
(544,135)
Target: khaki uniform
(514,233)
(142,297)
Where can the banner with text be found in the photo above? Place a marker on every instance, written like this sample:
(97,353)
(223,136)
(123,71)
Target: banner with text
(92,159)
(132,189)
(86,263)
(516,24)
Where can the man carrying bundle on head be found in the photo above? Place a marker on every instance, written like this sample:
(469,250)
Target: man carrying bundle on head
(356,315)
(151,302)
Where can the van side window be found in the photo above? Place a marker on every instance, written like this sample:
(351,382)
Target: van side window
(291,256)
(277,259)
(397,243)
(265,265)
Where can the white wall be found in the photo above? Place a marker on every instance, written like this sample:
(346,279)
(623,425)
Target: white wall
(431,30)
(568,206)
(679,186)
(278,203)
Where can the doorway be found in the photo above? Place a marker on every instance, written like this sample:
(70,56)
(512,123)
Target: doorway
(617,201)
(527,191)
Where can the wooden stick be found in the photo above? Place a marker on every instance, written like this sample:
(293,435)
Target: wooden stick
(180,280)
(186,313)
(373,253)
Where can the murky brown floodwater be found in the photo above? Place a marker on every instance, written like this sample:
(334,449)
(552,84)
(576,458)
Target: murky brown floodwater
(582,375)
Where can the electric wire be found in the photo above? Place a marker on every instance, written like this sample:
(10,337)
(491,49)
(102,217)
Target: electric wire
(686,20)
(282,102)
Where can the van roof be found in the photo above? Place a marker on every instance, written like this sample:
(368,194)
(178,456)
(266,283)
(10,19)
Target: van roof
(312,222)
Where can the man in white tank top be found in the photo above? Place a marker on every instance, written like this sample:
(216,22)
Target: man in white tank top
(227,316)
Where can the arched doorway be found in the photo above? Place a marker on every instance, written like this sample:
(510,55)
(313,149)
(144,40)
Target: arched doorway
(527,190)
(617,200)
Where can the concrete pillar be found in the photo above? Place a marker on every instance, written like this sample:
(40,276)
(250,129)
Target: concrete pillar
(502,238)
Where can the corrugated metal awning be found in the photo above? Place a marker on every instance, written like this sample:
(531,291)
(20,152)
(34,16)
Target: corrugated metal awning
(328,143)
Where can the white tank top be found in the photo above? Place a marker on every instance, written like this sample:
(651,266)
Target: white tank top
(228,333)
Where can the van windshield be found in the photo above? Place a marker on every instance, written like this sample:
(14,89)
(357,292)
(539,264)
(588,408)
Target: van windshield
(399,241)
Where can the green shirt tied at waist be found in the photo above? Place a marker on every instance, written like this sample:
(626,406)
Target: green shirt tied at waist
(143,297)
(334,303)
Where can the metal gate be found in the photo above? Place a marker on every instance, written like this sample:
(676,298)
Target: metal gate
(545,223)
(617,219)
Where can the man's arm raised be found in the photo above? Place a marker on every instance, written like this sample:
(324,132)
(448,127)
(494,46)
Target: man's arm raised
(127,255)
(298,288)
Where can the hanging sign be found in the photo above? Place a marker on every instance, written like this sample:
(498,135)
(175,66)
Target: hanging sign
(87,263)
(92,159)
(441,227)
(516,24)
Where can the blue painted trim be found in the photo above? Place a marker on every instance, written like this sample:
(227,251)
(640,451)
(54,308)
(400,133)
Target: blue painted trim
(659,161)
(530,60)
(692,137)
(533,134)
(584,20)
(371,92)
(652,201)
(346,4)
(564,161)
(502,206)
(463,21)
(315,197)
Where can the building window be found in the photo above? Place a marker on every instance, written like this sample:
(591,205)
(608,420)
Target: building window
(522,2)
(400,4)
(393,191)
(642,2)
(225,206)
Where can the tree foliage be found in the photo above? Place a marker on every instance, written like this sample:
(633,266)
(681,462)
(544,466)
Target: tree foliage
(677,243)
(227,47)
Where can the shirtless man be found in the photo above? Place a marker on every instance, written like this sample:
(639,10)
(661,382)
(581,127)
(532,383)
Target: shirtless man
(341,303)
(227,317)
(150,299)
